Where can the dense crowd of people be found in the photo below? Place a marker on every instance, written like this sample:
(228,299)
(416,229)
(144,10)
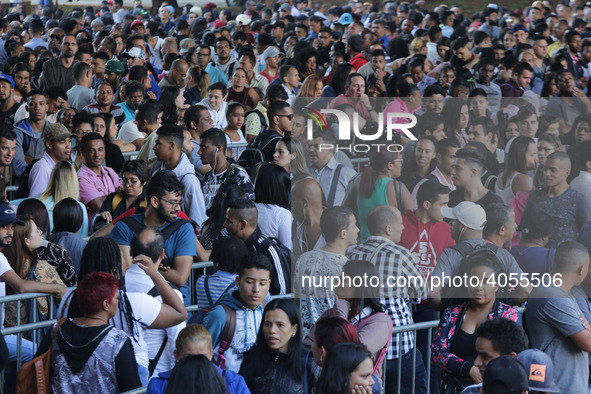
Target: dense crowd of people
(139,143)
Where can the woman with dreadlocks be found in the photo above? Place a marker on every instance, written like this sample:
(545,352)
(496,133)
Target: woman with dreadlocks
(137,311)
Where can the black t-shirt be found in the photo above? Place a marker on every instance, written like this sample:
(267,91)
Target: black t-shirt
(7,118)
(457,196)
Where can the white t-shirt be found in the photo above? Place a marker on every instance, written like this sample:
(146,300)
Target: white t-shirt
(4,268)
(145,309)
(275,222)
(129,132)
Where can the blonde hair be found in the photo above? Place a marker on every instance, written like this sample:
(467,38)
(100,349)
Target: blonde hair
(192,333)
(63,183)
(309,86)
(417,45)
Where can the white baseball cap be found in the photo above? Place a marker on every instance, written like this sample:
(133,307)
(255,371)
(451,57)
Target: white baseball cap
(242,20)
(469,214)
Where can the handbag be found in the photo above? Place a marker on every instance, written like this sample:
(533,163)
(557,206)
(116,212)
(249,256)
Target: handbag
(35,375)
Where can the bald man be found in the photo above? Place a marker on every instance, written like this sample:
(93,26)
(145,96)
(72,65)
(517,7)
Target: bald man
(177,74)
(307,207)
(556,323)
(565,205)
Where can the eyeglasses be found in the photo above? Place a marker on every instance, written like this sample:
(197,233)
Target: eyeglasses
(82,132)
(56,37)
(286,116)
(173,203)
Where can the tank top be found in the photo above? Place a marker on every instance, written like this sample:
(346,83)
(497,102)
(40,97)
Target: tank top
(507,193)
(240,97)
(364,205)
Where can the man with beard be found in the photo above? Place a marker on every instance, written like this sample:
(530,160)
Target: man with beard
(60,71)
(164,196)
(486,72)
(8,105)
(491,16)
(225,63)
(7,275)
(134,96)
(96,181)
(7,152)
(169,152)
(104,103)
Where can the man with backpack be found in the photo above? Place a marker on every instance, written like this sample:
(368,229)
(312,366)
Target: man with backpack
(149,242)
(256,120)
(212,150)
(168,149)
(467,224)
(164,197)
(242,222)
(262,148)
(234,322)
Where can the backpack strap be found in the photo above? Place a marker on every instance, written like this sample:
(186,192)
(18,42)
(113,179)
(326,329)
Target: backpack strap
(549,261)
(227,333)
(172,228)
(117,198)
(333,186)
(398,192)
(153,363)
(133,224)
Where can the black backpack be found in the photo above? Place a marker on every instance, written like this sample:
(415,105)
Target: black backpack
(255,153)
(167,232)
(23,181)
(284,255)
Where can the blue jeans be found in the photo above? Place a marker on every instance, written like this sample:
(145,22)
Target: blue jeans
(28,348)
(406,367)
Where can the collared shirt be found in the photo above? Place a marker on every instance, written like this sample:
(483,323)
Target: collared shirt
(359,106)
(93,185)
(291,95)
(393,260)
(36,42)
(493,32)
(426,81)
(56,74)
(384,40)
(219,117)
(258,81)
(325,175)
(40,174)
(129,113)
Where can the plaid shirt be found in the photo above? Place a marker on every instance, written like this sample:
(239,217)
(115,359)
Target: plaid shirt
(393,261)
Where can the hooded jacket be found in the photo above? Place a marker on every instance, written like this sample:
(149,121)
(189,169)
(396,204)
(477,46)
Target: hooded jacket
(248,322)
(193,202)
(26,136)
(425,241)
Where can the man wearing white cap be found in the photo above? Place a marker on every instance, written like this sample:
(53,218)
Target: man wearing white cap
(467,222)
(271,56)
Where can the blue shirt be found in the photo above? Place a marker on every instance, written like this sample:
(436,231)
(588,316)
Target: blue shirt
(129,113)
(181,243)
(215,75)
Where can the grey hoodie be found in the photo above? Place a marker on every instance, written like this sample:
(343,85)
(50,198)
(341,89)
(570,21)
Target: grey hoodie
(36,146)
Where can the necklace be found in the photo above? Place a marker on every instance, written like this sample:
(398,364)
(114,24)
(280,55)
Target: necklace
(96,318)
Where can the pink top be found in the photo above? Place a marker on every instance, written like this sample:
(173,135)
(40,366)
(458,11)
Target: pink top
(359,107)
(398,105)
(93,185)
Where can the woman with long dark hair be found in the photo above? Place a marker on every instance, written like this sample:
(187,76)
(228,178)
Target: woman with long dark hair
(213,227)
(456,116)
(347,370)
(276,363)
(173,101)
(453,348)
(421,163)
(271,190)
(137,311)
(522,158)
(376,186)
(336,87)
(67,219)
(104,125)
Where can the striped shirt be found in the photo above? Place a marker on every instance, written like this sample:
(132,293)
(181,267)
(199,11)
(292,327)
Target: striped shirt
(116,111)
(217,284)
(393,261)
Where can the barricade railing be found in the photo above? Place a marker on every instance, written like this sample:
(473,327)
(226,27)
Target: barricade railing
(35,327)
